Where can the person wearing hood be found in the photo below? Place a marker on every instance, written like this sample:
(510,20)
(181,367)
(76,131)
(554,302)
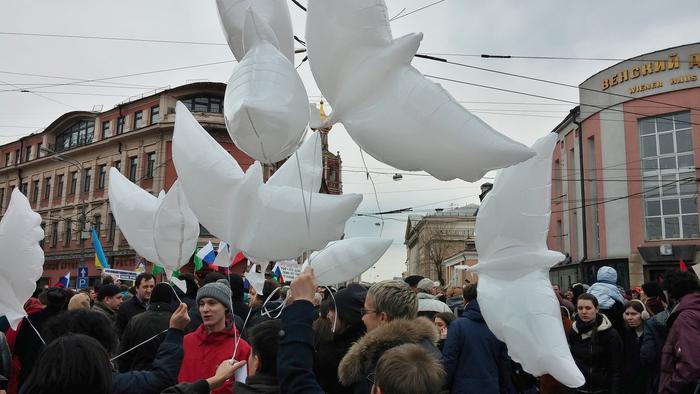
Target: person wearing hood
(634,374)
(215,339)
(596,348)
(390,316)
(145,325)
(346,313)
(680,360)
(610,300)
(259,311)
(28,343)
(428,304)
(262,363)
(474,359)
(651,297)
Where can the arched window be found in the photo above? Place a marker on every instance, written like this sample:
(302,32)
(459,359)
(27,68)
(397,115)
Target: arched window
(204,104)
(81,133)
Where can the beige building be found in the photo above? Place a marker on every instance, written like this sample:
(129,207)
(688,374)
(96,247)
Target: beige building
(433,238)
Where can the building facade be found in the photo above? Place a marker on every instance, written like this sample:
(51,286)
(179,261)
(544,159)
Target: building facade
(64,171)
(624,170)
(433,239)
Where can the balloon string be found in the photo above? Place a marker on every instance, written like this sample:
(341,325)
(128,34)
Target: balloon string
(335,306)
(140,344)
(35,330)
(175,292)
(262,148)
(303,196)
(376,196)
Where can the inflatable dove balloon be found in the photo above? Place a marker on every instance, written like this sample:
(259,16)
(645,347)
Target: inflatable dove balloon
(267,222)
(387,106)
(265,104)
(22,260)
(511,233)
(162,230)
(343,260)
(305,168)
(274,13)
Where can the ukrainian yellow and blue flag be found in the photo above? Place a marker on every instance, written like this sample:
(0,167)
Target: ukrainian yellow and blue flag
(100,259)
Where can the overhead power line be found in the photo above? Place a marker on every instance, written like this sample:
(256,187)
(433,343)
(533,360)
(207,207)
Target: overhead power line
(85,37)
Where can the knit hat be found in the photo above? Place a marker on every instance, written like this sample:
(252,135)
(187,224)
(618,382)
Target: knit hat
(348,303)
(79,301)
(413,280)
(109,290)
(219,290)
(162,293)
(651,289)
(425,284)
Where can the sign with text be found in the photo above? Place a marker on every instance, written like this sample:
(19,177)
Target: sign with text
(290,269)
(82,281)
(121,274)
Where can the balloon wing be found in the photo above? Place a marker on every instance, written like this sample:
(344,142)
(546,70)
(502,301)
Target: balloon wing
(175,230)
(274,13)
(343,260)
(256,279)
(22,262)
(303,169)
(388,107)
(133,209)
(514,259)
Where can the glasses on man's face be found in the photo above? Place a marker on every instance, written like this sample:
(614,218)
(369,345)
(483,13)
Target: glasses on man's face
(364,311)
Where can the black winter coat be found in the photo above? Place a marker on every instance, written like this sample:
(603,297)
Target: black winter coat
(164,373)
(257,384)
(634,375)
(295,356)
(140,328)
(28,344)
(655,333)
(329,355)
(598,354)
(128,309)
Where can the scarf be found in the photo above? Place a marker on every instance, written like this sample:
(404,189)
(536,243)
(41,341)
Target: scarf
(583,327)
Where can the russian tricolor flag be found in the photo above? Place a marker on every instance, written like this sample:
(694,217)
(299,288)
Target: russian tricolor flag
(64,281)
(207,254)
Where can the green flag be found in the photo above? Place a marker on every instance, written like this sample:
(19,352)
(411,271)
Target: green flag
(157,270)
(198,264)
(176,274)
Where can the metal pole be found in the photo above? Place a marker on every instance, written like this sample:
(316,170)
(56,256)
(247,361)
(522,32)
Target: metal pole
(82,229)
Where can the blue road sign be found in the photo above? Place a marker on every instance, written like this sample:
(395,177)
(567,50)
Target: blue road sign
(82,281)
(82,272)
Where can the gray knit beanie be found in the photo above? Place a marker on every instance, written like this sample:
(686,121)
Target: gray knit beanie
(219,290)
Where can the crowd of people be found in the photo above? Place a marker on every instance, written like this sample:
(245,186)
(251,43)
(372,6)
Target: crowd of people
(390,337)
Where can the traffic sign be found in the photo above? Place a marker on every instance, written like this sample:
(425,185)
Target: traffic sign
(82,281)
(82,272)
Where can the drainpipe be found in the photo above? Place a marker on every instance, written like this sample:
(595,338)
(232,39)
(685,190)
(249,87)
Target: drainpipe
(584,256)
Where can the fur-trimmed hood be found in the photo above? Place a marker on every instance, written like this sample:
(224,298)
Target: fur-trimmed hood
(364,354)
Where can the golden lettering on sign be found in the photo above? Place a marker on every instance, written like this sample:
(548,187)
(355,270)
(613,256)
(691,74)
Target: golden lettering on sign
(646,86)
(657,66)
(684,78)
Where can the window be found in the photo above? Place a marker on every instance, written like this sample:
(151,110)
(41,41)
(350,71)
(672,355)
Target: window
(204,104)
(101,176)
(155,112)
(121,121)
(105,129)
(28,153)
(97,220)
(54,234)
(17,157)
(79,134)
(7,159)
(151,164)
(47,188)
(112,228)
(43,228)
(2,198)
(67,234)
(35,190)
(668,173)
(138,119)
(133,163)
(73,182)
(87,179)
(39,147)
(59,186)
(23,188)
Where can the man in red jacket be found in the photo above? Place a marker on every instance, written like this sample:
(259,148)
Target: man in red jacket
(680,359)
(215,339)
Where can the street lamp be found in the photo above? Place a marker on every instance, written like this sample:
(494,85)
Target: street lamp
(83,234)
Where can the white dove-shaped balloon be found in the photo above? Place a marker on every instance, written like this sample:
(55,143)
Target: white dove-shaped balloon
(274,13)
(387,106)
(265,104)
(22,260)
(343,260)
(163,230)
(511,233)
(266,221)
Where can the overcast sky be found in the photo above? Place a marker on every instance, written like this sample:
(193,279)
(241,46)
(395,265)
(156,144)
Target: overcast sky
(583,29)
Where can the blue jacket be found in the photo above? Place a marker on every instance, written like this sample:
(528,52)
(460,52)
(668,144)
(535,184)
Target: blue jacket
(474,359)
(163,374)
(295,355)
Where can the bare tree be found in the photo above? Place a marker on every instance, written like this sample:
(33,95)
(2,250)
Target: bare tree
(442,241)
